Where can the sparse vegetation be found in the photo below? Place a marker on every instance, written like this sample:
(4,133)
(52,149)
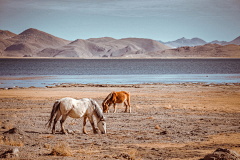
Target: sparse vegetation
(11,142)
(61,149)
(132,154)
(8,126)
(46,145)
(157,127)
(149,132)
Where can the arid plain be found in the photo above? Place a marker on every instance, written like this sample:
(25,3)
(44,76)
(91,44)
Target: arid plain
(180,121)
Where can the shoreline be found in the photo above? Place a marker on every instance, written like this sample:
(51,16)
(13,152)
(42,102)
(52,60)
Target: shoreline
(120,58)
(79,85)
(117,80)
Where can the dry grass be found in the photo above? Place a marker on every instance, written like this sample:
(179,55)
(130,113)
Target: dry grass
(61,149)
(157,127)
(46,145)
(90,150)
(73,123)
(150,118)
(132,154)
(8,126)
(47,136)
(11,142)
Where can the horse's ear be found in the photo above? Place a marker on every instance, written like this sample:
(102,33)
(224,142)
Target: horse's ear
(103,119)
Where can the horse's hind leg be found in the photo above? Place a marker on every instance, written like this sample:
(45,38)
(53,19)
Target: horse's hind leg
(55,121)
(128,101)
(125,103)
(84,124)
(64,117)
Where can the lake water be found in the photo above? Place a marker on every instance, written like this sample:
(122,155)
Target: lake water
(118,71)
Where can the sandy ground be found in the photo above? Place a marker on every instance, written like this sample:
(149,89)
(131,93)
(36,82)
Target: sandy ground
(185,121)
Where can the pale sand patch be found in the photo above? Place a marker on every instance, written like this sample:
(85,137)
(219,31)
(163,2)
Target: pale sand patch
(27,78)
(194,97)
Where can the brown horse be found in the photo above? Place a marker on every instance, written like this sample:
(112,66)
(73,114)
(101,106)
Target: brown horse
(116,97)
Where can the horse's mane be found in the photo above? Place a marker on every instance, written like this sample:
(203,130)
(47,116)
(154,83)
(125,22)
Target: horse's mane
(97,109)
(108,97)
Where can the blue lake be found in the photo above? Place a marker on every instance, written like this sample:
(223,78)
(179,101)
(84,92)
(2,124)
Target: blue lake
(118,71)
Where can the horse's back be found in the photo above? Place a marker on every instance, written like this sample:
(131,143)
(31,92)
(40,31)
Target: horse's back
(124,92)
(73,107)
(121,96)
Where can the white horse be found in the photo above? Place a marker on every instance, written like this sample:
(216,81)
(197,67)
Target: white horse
(76,109)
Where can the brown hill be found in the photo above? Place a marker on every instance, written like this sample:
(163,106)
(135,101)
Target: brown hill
(30,42)
(105,47)
(4,34)
(236,41)
(4,43)
(101,40)
(208,50)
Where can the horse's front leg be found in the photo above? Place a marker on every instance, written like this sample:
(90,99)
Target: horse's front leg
(114,106)
(55,121)
(84,124)
(64,117)
(92,123)
(109,104)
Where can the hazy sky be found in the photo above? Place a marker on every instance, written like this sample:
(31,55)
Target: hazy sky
(164,20)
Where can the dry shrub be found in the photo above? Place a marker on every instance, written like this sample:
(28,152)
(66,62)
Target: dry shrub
(132,154)
(157,127)
(107,156)
(150,118)
(61,149)
(13,115)
(8,126)
(1,140)
(73,123)
(11,142)
(48,136)
(88,150)
(138,107)
(169,106)
(46,145)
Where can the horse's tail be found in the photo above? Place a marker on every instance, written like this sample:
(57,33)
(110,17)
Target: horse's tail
(128,93)
(107,98)
(55,108)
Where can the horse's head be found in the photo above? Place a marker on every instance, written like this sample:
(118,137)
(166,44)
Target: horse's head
(105,107)
(102,125)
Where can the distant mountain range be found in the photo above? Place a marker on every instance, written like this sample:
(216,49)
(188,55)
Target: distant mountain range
(36,43)
(197,42)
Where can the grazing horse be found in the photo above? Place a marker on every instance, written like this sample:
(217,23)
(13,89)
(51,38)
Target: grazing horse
(76,109)
(116,97)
